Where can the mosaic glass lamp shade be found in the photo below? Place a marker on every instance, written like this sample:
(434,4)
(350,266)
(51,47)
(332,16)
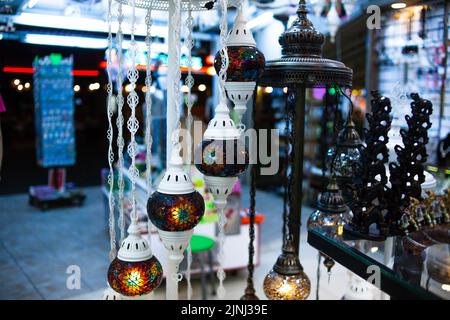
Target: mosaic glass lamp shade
(135,271)
(175,205)
(286,280)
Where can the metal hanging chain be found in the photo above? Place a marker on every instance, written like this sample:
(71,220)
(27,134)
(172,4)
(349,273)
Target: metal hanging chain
(133,123)
(252,213)
(189,81)
(324,135)
(120,122)
(319,258)
(285,174)
(291,155)
(223,100)
(110,136)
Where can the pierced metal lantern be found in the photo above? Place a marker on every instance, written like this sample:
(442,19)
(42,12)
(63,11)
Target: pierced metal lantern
(345,160)
(332,213)
(135,271)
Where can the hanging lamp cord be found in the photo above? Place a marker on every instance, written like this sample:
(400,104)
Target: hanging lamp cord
(290,180)
(285,174)
(250,290)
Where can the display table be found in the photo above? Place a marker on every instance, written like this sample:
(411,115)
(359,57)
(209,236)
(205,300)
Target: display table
(403,274)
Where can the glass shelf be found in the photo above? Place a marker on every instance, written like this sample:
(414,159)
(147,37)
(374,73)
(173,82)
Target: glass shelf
(407,269)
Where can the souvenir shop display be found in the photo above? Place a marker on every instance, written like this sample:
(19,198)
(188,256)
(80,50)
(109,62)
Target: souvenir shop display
(55,132)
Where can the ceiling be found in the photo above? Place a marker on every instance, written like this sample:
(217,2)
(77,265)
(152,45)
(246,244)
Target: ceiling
(89,17)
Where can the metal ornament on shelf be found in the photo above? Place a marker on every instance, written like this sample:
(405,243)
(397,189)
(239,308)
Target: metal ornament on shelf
(301,66)
(246,65)
(375,156)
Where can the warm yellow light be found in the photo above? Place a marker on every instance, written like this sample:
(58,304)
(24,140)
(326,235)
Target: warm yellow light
(285,90)
(185,89)
(16,82)
(76,88)
(20,87)
(286,288)
(201,87)
(144,89)
(446,287)
(282,287)
(128,87)
(211,71)
(94,86)
(27,85)
(374,249)
(398,5)
(268,90)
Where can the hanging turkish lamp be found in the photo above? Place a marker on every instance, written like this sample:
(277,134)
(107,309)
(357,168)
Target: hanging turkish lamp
(286,280)
(135,271)
(222,156)
(332,213)
(246,65)
(175,208)
(345,160)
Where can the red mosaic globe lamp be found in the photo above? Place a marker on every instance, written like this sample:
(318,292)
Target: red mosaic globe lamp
(135,271)
(245,66)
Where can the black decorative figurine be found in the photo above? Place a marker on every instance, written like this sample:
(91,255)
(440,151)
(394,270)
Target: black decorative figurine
(370,205)
(407,174)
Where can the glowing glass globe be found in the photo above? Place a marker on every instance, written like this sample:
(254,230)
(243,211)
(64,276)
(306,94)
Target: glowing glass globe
(329,223)
(286,287)
(332,213)
(345,158)
(246,63)
(175,212)
(135,278)
(346,162)
(286,280)
(222,158)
